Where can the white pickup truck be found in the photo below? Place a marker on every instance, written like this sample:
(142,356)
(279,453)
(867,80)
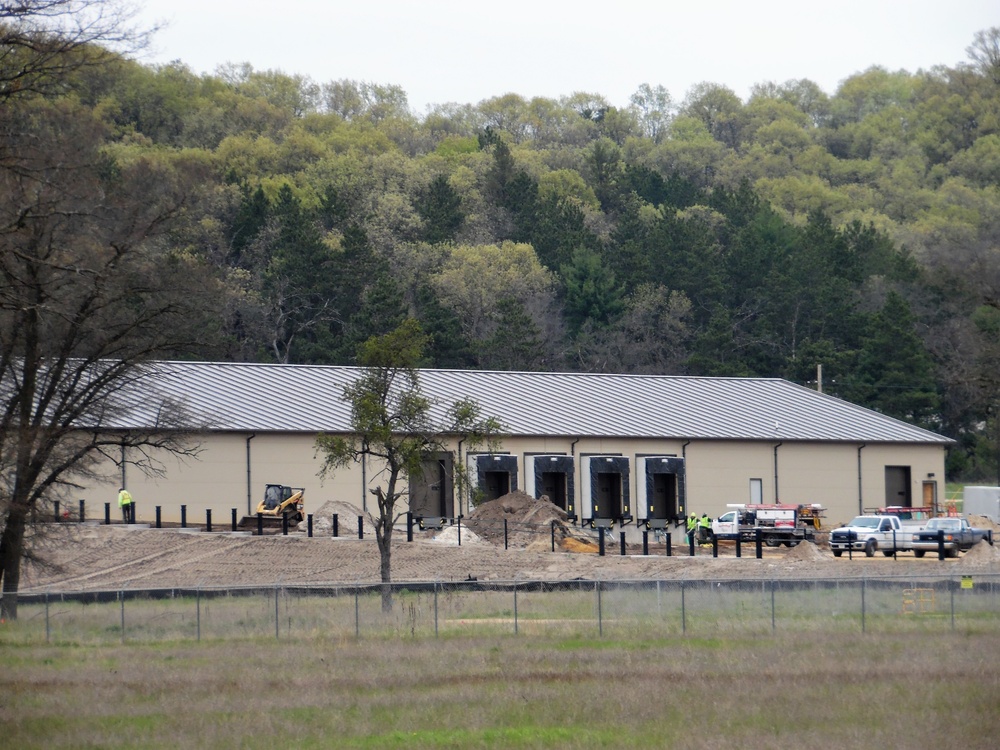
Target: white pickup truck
(871,534)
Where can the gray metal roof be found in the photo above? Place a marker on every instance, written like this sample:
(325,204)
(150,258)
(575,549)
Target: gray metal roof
(305,398)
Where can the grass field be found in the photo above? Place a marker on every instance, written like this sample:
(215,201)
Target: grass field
(813,690)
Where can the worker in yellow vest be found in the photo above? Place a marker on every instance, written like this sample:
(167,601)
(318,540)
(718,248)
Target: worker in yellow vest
(704,528)
(127,506)
(692,527)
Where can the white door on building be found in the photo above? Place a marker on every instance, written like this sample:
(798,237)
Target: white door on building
(756,491)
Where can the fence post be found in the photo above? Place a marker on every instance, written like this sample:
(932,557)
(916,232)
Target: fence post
(715,546)
(553,532)
(197,602)
(55,508)
(107,514)
(309,524)
(600,540)
(772,606)
(235,521)
(184,516)
(862,605)
(757,543)
(208,520)
(505,533)
(515,609)
(83,511)
(277,613)
(48,631)
(691,544)
(159,524)
(336,525)
(600,618)
(621,535)
(645,543)
(409,525)
(357,614)
(940,541)
(460,531)
(260,524)
(683,611)
(435,609)
(121,595)
(739,550)
(361,527)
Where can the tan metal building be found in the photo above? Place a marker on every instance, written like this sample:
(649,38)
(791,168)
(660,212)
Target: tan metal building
(613,448)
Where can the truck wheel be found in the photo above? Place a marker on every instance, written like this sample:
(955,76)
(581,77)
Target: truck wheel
(953,552)
(772,542)
(918,552)
(887,552)
(838,552)
(870,547)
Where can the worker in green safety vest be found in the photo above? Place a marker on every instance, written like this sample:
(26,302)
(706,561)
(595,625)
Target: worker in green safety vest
(127,506)
(704,528)
(692,527)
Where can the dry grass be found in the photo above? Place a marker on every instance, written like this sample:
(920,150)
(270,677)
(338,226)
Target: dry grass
(834,690)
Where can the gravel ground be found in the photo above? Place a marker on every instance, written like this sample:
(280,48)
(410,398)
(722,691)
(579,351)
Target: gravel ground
(96,557)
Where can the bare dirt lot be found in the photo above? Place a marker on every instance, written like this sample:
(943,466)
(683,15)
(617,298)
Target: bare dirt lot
(89,557)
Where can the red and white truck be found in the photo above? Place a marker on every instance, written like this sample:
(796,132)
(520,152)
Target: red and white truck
(777,524)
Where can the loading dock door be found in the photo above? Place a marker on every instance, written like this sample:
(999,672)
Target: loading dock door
(496,475)
(432,493)
(660,489)
(551,476)
(605,488)
(897,486)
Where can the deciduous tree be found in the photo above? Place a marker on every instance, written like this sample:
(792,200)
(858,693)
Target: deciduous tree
(396,425)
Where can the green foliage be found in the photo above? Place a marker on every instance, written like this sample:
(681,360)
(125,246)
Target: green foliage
(783,221)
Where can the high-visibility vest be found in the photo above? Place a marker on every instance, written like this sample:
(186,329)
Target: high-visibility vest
(692,523)
(124,498)
(705,522)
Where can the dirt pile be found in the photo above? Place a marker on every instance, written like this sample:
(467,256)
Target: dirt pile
(530,524)
(982,555)
(806,552)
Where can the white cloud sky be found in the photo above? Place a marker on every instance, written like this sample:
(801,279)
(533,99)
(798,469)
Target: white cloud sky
(442,51)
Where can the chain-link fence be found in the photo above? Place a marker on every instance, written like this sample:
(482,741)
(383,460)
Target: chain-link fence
(620,609)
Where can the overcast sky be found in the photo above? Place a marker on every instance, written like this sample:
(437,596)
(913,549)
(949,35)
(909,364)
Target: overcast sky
(443,51)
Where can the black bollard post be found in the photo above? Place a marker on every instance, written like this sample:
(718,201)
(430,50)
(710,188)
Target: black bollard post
(739,549)
(260,524)
(107,514)
(756,540)
(361,527)
(670,544)
(159,523)
(208,520)
(184,516)
(715,546)
(336,525)
(55,506)
(622,536)
(235,521)
(309,525)
(460,530)
(553,533)
(83,511)
(505,533)
(691,544)
(600,540)
(645,543)
(409,525)
(940,541)
(284,524)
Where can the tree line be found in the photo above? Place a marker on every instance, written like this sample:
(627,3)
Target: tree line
(248,215)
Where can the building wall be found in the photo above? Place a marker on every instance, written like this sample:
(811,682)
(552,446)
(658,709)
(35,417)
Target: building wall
(718,472)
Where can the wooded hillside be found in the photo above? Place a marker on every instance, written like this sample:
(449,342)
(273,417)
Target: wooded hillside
(858,230)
